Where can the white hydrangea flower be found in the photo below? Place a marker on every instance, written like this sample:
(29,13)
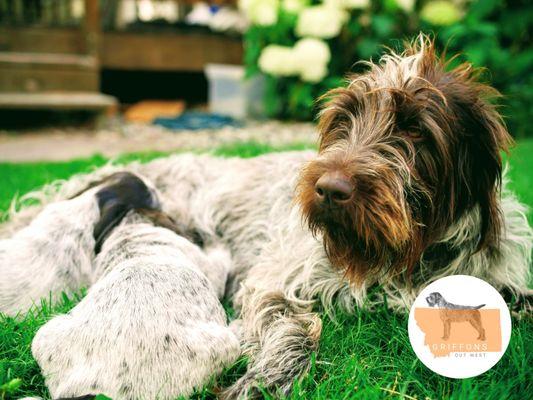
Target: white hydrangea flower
(294,6)
(309,59)
(333,3)
(314,73)
(441,13)
(311,51)
(356,4)
(245,5)
(321,21)
(406,5)
(348,4)
(260,12)
(278,60)
(312,57)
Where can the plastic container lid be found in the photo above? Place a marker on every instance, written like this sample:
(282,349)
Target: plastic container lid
(227,71)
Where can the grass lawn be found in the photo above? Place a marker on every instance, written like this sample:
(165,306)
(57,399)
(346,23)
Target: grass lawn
(362,356)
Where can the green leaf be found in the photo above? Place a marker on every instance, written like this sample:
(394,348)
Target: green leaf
(383,25)
(483,8)
(367,48)
(354,27)
(391,5)
(12,386)
(333,82)
(454,32)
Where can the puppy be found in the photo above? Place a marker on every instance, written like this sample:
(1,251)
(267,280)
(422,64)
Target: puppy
(151,327)
(55,252)
(456,313)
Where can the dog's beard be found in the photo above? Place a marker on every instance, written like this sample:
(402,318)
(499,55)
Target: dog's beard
(371,236)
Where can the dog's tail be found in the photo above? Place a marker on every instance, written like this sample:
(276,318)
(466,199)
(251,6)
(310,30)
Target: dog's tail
(478,307)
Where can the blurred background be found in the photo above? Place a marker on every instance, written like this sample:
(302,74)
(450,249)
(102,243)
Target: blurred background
(79,77)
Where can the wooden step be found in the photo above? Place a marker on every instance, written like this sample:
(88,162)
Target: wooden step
(48,60)
(42,39)
(57,101)
(48,72)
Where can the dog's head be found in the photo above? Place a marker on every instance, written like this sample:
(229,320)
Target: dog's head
(406,149)
(434,299)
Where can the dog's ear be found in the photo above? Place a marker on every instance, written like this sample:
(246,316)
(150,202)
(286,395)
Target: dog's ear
(339,107)
(122,192)
(481,138)
(110,217)
(477,135)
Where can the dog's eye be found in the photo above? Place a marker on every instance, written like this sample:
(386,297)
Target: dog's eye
(414,134)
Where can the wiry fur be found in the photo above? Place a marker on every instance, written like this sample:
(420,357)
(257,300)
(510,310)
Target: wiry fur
(430,206)
(421,145)
(54,253)
(151,327)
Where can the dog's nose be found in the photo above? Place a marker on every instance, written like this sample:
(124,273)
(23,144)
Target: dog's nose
(334,187)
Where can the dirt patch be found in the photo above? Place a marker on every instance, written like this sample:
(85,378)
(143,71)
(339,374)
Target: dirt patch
(61,144)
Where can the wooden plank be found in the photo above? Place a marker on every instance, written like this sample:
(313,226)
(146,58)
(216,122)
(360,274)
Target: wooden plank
(42,40)
(128,50)
(91,26)
(57,101)
(167,51)
(28,78)
(48,60)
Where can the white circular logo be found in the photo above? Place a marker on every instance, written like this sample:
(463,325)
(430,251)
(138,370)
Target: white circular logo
(459,326)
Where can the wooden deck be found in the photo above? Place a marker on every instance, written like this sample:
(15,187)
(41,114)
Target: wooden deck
(151,51)
(58,101)
(59,67)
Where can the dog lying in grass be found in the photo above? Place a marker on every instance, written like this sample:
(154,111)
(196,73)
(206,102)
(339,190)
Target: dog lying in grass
(153,325)
(406,187)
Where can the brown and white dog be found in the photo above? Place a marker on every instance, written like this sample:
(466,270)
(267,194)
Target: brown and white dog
(405,188)
(406,150)
(450,312)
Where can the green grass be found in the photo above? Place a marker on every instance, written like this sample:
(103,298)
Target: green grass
(362,356)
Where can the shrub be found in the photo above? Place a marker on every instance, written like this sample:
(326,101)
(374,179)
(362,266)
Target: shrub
(306,47)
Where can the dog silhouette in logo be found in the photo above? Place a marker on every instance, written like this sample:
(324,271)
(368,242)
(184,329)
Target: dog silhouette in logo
(456,313)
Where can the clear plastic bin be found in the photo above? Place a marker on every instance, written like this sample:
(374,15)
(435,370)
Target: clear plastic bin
(231,94)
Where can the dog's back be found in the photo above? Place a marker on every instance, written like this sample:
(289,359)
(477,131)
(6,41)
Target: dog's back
(460,307)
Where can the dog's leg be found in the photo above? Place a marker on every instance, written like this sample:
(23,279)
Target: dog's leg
(475,321)
(447,328)
(279,339)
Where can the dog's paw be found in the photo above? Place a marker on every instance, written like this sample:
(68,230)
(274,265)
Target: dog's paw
(521,304)
(247,387)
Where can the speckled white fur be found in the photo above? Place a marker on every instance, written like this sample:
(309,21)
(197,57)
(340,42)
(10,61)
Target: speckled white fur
(54,253)
(151,327)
